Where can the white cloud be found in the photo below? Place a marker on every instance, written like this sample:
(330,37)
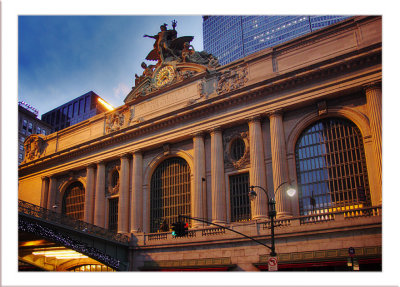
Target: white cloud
(121,91)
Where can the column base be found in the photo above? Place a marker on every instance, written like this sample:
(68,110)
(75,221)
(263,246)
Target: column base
(284,215)
(260,217)
(199,225)
(219,222)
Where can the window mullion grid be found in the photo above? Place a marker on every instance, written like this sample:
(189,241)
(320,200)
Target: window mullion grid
(332,167)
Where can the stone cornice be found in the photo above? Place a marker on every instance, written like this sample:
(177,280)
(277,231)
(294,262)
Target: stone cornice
(354,61)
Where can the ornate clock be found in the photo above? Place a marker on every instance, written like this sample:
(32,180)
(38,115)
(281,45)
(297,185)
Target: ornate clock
(164,76)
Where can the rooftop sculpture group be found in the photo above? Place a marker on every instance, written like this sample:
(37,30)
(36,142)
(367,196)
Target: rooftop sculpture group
(168,49)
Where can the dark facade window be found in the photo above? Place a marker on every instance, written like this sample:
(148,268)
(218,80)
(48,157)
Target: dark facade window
(70,110)
(74,201)
(30,128)
(81,106)
(170,192)
(76,106)
(87,104)
(53,117)
(57,117)
(239,193)
(237,149)
(113,214)
(331,167)
(64,114)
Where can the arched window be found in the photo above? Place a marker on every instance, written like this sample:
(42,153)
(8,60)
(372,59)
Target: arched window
(331,167)
(170,192)
(74,201)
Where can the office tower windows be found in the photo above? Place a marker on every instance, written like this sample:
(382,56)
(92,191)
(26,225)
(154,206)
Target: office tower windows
(230,38)
(75,111)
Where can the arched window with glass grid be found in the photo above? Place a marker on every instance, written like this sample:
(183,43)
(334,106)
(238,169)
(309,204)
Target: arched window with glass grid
(74,201)
(169,192)
(331,167)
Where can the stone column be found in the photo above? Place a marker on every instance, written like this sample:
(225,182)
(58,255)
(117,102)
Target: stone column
(44,192)
(257,169)
(279,165)
(89,194)
(218,197)
(198,197)
(374,103)
(52,195)
(100,196)
(123,201)
(136,211)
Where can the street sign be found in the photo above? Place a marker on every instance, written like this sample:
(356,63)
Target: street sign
(273,264)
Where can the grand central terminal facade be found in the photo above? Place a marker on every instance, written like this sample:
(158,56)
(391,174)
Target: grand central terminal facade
(193,136)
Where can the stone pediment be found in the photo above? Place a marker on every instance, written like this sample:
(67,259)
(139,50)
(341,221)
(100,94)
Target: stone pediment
(163,77)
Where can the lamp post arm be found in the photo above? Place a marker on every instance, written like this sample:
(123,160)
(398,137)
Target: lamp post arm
(266,192)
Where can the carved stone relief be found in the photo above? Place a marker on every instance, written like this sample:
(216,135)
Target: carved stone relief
(232,79)
(322,108)
(114,122)
(34,147)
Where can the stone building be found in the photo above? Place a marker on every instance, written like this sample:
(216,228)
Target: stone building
(193,136)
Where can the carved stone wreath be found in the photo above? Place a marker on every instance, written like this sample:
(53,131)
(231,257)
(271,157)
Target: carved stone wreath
(245,158)
(112,190)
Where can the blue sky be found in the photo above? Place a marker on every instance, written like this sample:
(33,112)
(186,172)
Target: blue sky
(63,57)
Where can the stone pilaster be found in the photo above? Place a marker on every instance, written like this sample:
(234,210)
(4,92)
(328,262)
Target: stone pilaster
(100,197)
(89,194)
(123,202)
(218,197)
(374,103)
(44,192)
(257,169)
(198,197)
(279,165)
(136,211)
(51,202)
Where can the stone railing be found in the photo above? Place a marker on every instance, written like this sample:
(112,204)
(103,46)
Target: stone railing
(245,228)
(346,213)
(35,211)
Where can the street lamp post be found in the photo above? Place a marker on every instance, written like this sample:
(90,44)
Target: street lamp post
(271,209)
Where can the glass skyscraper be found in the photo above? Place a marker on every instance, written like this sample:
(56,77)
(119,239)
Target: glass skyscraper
(232,37)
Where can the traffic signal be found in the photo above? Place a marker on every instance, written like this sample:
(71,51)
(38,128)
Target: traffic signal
(185,228)
(175,229)
(180,229)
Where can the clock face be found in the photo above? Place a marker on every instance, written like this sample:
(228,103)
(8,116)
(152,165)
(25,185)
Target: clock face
(164,76)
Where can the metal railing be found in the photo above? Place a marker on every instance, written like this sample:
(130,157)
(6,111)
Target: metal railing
(53,217)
